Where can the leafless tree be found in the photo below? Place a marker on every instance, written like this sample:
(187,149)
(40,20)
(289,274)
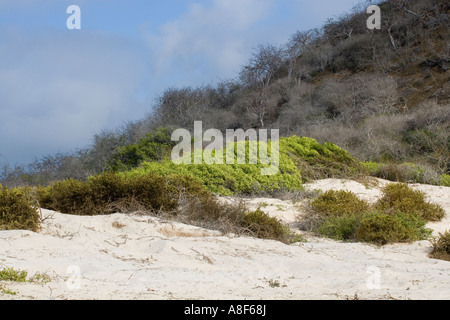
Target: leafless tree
(181,107)
(265,63)
(297,45)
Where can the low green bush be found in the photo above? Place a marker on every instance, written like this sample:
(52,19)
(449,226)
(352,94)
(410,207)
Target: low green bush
(381,228)
(108,193)
(400,197)
(13,275)
(231,179)
(372,168)
(320,161)
(341,215)
(261,225)
(18,210)
(374,227)
(339,203)
(445,180)
(341,228)
(441,246)
(68,196)
(301,159)
(154,147)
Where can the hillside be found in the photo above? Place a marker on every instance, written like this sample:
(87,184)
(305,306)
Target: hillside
(382,95)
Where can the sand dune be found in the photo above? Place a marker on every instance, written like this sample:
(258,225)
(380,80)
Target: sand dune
(140,257)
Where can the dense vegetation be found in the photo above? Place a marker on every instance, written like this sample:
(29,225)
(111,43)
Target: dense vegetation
(301,159)
(399,216)
(18,210)
(441,246)
(369,101)
(171,196)
(383,95)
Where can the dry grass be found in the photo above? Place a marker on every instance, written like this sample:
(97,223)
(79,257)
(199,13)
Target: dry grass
(441,246)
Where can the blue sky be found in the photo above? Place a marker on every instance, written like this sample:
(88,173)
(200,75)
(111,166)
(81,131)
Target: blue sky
(59,87)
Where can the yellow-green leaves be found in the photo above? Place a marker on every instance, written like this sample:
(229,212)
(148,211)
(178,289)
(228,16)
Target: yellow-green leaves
(18,210)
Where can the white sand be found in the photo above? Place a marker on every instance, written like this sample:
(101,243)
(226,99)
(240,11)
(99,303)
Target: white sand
(139,257)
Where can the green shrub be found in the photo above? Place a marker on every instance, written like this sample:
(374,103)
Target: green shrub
(11,274)
(68,196)
(400,197)
(110,192)
(154,147)
(375,227)
(341,215)
(393,171)
(299,158)
(339,227)
(261,225)
(319,161)
(372,168)
(441,246)
(230,179)
(382,228)
(445,180)
(339,203)
(18,210)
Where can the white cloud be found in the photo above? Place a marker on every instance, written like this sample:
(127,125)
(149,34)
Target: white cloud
(208,41)
(57,90)
(212,41)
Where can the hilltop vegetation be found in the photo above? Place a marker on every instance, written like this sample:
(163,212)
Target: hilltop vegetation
(300,160)
(382,95)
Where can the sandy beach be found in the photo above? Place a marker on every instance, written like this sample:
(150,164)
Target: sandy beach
(132,256)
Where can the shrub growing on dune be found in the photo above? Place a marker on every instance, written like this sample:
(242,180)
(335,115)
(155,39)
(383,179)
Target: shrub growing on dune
(405,172)
(339,203)
(382,228)
(18,210)
(154,147)
(67,196)
(231,179)
(104,194)
(261,225)
(300,159)
(339,227)
(441,246)
(445,180)
(180,197)
(320,161)
(400,197)
(341,215)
